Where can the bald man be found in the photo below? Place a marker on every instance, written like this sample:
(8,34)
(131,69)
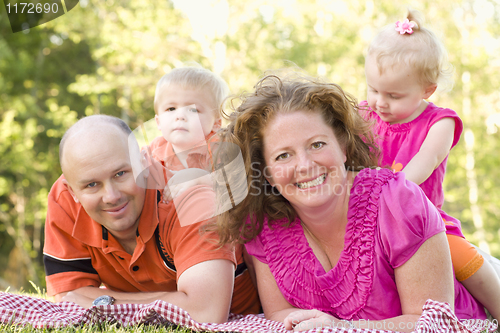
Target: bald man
(104,229)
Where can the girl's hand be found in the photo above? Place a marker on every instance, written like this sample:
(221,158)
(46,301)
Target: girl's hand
(303,320)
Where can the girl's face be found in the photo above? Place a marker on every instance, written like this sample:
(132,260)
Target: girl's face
(396,95)
(304,160)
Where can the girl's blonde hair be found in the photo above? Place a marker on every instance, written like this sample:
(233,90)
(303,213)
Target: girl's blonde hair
(422,50)
(275,95)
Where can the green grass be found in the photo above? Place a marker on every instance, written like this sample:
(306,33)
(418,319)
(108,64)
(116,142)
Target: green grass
(108,328)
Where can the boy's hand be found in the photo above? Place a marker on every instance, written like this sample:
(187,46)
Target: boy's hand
(156,176)
(183,180)
(171,192)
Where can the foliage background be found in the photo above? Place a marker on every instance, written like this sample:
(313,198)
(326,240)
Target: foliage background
(105,56)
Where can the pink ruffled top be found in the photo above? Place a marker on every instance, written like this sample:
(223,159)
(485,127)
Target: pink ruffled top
(389,218)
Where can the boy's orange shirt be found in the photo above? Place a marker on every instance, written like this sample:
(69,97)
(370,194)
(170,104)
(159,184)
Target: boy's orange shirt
(199,157)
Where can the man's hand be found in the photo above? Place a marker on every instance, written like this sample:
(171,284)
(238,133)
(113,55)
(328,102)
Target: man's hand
(86,295)
(204,290)
(77,298)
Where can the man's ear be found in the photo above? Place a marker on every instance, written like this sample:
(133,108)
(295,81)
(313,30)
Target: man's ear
(217,125)
(70,190)
(430,90)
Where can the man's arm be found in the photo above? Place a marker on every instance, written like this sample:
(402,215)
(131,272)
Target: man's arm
(206,272)
(203,290)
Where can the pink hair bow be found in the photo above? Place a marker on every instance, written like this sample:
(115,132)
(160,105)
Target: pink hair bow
(405,27)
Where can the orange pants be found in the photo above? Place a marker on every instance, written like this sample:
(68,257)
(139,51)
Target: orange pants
(465,258)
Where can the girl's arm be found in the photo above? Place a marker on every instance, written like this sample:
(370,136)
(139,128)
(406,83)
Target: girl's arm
(428,274)
(433,151)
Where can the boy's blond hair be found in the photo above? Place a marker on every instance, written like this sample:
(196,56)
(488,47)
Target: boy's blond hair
(422,50)
(195,78)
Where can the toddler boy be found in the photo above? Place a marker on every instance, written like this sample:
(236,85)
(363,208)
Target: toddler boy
(187,103)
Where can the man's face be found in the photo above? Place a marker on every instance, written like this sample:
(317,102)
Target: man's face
(99,175)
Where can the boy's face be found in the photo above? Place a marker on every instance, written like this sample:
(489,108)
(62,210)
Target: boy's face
(186,115)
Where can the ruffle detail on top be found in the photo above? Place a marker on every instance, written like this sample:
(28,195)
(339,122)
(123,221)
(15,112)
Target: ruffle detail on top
(344,290)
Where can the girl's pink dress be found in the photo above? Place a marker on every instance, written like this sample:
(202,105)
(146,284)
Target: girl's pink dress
(399,143)
(389,218)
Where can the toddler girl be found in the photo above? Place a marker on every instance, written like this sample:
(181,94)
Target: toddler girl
(403,65)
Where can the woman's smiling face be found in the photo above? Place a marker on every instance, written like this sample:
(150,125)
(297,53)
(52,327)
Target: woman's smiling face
(304,160)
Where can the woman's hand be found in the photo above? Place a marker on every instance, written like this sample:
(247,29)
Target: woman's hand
(303,320)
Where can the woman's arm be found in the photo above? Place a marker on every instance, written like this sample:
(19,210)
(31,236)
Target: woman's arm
(433,151)
(426,275)
(274,304)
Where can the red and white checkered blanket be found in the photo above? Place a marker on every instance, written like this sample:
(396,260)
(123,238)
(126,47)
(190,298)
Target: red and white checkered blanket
(40,313)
